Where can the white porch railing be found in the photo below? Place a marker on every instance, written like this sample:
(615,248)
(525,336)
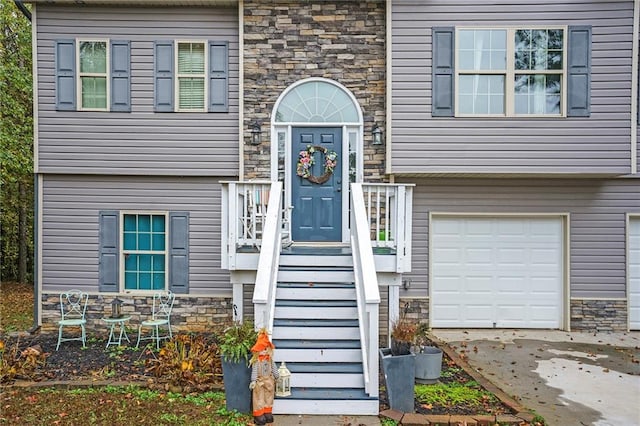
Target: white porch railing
(264,293)
(389,213)
(244,212)
(367,292)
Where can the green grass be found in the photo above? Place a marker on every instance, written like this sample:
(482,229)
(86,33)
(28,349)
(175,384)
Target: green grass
(468,394)
(126,405)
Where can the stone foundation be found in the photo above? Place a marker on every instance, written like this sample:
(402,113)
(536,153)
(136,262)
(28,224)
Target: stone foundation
(189,313)
(417,310)
(598,315)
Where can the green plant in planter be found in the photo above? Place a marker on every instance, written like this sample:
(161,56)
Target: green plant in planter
(235,344)
(236,341)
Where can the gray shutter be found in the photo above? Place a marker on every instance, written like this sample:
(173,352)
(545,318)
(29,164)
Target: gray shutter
(163,76)
(108,251)
(179,252)
(579,71)
(120,75)
(218,76)
(442,73)
(65,63)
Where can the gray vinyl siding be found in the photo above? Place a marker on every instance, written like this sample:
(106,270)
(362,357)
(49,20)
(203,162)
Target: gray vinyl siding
(141,142)
(588,145)
(597,210)
(70,210)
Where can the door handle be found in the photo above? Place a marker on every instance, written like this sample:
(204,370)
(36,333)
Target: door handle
(339,188)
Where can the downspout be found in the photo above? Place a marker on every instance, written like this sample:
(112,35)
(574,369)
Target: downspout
(23,9)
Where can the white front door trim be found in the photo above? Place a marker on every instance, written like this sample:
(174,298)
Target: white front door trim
(352,143)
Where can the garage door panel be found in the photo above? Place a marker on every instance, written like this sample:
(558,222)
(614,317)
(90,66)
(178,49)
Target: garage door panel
(508,272)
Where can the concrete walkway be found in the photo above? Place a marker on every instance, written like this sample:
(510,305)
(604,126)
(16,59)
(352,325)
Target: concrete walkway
(572,378)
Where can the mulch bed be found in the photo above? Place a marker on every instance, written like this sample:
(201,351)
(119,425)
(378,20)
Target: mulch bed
(74,364)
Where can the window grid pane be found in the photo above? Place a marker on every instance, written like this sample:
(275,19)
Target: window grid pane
(93,57)
(191,93)
(191,58)
(481,94)
(144,258)
(537,94)
(94,92)
(536,68)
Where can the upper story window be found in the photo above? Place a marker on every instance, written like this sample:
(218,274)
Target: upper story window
(93,75)
(510,72)
(191,79)
(191,76)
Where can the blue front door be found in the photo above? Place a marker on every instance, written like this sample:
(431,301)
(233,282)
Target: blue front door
(317,207)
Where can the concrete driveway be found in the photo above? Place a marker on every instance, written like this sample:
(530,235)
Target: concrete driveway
(572,378)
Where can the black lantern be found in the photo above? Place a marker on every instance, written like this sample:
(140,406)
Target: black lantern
(256,133)
(116,307)
(377,135)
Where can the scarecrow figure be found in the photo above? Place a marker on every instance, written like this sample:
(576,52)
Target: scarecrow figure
(263,378)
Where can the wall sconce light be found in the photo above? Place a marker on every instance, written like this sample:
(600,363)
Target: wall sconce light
(377,135)
(256,133)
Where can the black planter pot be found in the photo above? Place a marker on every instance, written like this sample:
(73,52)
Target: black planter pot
(237,376)
(399,375)
(400,348)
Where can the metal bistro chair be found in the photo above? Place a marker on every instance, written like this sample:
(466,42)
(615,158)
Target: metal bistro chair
(73,305)
(160,316)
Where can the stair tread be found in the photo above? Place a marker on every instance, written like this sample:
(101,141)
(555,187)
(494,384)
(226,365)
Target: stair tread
(282,322)
(328,393)
(315,285)
(325,367)
(317,344)
(328,303)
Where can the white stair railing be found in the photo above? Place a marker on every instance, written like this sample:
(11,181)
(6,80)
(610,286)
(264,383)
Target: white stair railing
(389,213)
(267,274)
(367,292)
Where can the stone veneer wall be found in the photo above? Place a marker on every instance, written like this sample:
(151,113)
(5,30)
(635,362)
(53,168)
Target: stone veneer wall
(287,41)
(189,313)
(586,315)
(598,315)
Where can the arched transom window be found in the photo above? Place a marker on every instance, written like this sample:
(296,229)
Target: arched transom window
(316,102)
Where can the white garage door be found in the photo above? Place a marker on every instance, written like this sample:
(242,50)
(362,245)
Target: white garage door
(496,272)
(634,273)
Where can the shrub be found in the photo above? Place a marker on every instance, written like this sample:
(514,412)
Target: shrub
(189,361)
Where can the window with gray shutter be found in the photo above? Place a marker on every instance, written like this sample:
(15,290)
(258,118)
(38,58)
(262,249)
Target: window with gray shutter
(179,252)
(108,251)
(218,76)
(66,75)
(163,76)
(442,72)
(579,72)
(168,98)
(120,76)
(65,78)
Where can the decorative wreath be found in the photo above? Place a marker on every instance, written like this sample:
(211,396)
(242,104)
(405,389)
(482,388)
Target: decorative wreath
(306,161)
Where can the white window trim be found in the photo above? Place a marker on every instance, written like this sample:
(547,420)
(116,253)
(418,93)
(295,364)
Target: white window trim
(80,74)
(510,72)
(204,75)
(122,251)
